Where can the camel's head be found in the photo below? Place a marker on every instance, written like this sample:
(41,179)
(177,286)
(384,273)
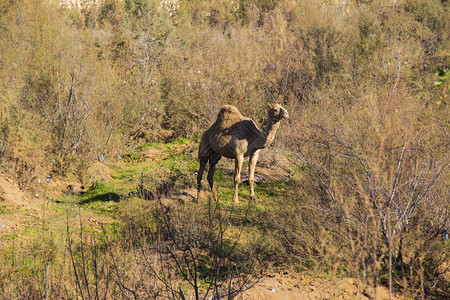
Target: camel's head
(277,112)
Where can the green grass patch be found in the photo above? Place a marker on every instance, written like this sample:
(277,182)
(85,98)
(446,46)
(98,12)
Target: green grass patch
(32,231)
(103,197)
(166,162)
(9,236)
(167,159)
(109,209)
(5,210)
(179,161)
(165,146)
(99,188)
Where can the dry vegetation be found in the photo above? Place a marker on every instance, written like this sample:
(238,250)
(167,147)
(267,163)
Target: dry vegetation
(368,139)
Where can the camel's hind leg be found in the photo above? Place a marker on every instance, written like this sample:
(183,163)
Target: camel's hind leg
(213,160)
(203,162)
(204,154)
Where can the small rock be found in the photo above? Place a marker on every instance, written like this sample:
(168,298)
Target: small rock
(258,180)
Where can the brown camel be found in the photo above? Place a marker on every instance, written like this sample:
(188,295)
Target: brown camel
(235,136)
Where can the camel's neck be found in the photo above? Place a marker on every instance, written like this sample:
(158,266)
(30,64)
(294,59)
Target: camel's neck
(270,131)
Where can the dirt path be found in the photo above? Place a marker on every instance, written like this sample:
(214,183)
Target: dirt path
(10,194)
(299,286)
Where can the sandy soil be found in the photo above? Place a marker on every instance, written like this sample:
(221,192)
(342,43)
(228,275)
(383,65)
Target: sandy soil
(11,194)
(299,286)
(17,210)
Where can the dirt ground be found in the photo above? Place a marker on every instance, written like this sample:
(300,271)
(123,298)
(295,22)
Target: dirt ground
(17,210)
(11,194)
(299,286)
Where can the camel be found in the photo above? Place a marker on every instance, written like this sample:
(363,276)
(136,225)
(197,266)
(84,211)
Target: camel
(235,136)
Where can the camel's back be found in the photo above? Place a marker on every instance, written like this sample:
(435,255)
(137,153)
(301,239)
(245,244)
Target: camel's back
(232,132)
(228,115)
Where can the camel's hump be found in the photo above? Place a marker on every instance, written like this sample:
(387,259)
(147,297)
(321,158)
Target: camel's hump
(229,109)
(228,115)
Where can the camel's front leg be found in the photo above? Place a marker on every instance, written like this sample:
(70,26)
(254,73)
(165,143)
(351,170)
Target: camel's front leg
(251,173)
(237,177)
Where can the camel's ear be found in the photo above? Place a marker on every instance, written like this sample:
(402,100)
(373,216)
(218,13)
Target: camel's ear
(269,106)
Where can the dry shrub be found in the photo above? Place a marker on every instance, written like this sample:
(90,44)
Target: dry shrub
(189,250)
(374,156)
